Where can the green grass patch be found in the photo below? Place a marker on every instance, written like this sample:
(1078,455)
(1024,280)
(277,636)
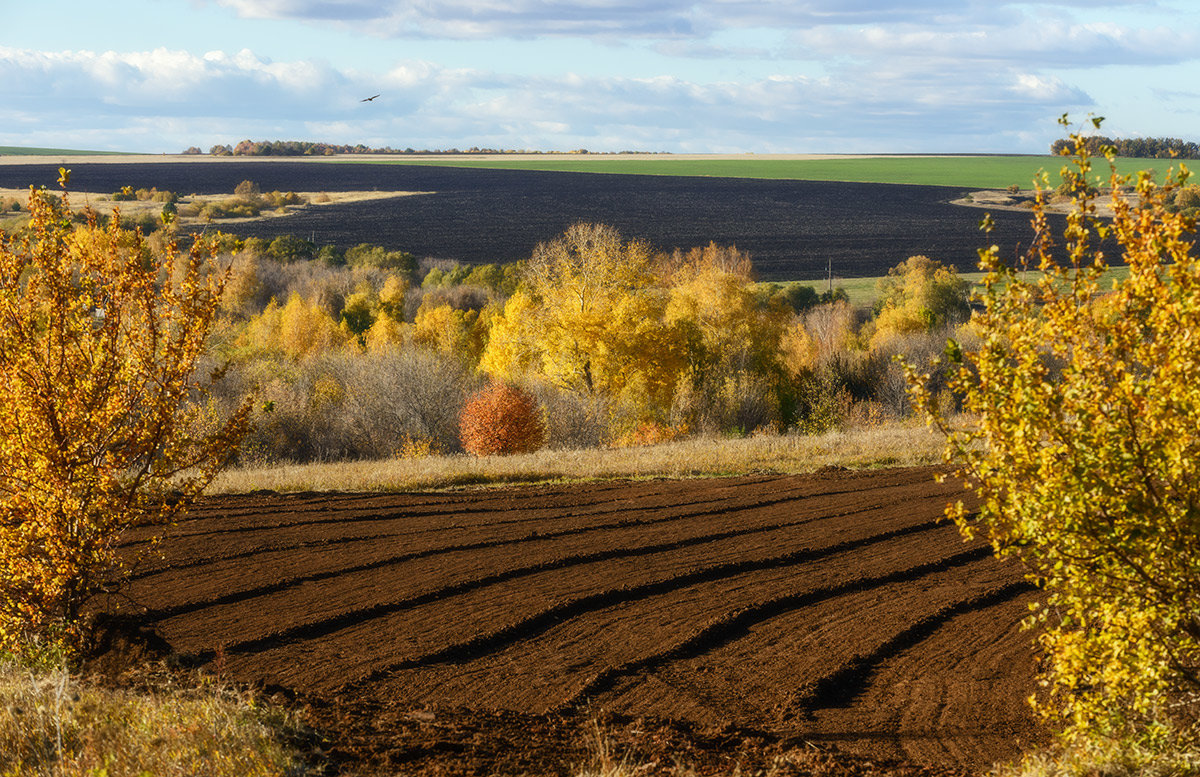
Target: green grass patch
(864,292)
(32,151)
(980,172)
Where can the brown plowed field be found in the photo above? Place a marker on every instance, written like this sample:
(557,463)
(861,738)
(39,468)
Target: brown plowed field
(834,609)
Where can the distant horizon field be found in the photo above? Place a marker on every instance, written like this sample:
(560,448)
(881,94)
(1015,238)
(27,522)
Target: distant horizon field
(982,172)
(31,151)
(978,171)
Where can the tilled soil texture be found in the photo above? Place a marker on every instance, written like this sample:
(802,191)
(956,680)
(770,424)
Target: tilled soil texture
(834,609)
(794,230)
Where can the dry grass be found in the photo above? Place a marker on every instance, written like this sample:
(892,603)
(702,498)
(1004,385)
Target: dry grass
(886,445)
(53,723)
(1102,757)
(103,202)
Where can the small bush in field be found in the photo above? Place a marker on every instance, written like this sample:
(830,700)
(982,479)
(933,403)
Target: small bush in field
(501,419)
(416,448)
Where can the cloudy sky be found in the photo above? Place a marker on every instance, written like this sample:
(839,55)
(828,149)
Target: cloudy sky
(764,76)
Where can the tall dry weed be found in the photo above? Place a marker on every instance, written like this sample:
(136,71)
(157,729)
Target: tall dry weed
(53,724)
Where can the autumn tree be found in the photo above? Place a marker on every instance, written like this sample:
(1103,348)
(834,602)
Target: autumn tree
(580,279)
(300,329)
(589,319)
(919,295)
(1084,449)
(501,419)
(360,309)
(732,341)
(457,333)
(729,327)
(103,423)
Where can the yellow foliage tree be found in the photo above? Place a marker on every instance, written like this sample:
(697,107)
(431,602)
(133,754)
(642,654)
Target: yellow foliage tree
(297,330)
(918,295)
(391,297)
(733,343)
(591,319)
(306,329)
(579,280)
(360,310)
(729,331)
(100,423)
(1085,451)
(511,349)
(385,334)
(446,330)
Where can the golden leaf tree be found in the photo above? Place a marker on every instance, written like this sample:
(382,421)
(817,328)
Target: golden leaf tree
(918,295)
(590,320)
(1082,440)
(103,423)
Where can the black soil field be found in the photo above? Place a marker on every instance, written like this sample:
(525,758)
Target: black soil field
(791,228)
(459,631)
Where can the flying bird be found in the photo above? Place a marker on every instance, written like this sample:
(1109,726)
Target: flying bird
(368,99)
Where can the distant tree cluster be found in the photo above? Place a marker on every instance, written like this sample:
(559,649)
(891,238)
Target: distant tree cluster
(294,148)
(309,148)
(1144,148)
(369,352)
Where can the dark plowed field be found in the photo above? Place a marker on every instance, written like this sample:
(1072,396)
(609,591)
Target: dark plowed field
(792,229)
(834,609)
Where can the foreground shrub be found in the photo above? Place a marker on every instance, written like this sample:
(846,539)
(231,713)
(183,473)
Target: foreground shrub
(501,419)
(1086,456)
(99,424)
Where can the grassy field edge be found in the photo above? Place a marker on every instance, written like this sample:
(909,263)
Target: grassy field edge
(885,445)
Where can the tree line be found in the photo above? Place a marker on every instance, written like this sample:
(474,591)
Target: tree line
(1141,148)
(312,148)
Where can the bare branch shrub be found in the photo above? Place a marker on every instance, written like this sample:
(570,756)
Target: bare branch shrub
(404,393)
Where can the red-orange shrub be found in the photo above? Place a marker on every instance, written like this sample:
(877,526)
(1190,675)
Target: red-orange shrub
(501,419)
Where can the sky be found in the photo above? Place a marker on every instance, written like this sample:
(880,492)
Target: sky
(682,76)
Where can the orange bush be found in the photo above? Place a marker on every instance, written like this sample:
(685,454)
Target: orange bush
(501,419)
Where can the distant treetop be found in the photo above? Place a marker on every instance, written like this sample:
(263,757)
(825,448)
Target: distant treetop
(1144,148)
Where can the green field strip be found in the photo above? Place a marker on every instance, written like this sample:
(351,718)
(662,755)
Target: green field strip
(980,172)
(31,151)
(864,292)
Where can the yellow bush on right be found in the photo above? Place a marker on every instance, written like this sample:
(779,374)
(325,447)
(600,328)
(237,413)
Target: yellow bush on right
(1084,448)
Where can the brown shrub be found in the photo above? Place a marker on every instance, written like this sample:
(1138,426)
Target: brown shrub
(501,419)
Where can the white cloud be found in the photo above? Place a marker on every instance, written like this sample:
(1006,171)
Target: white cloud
(1036,42)
(467,19)
(664,19)
(153,80)
(164,100)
